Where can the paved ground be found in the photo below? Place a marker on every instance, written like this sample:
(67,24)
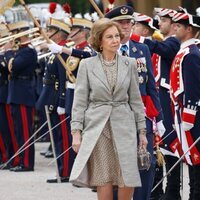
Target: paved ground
(33,186)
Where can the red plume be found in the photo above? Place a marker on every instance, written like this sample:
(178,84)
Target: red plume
(107,10)
(66,7)
(111,1)
(52,7)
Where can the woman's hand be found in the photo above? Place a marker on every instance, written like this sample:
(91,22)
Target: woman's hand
(76,140)
(143,139)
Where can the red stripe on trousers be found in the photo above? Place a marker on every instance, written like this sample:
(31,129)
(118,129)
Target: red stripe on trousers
(3,150)
(16,159)
(25,134)
(65,141)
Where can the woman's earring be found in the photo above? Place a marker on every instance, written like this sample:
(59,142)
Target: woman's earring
(101,48)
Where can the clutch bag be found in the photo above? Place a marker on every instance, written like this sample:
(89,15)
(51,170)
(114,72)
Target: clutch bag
(144,159)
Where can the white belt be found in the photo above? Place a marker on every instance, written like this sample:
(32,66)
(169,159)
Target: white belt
(164,84)
(70,85)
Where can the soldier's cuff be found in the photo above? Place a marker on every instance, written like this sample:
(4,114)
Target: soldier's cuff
(189,115)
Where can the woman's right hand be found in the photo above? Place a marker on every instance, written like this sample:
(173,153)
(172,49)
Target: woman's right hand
(76,140)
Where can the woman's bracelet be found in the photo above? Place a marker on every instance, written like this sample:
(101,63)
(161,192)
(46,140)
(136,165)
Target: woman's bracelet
(74,131)
(143,132)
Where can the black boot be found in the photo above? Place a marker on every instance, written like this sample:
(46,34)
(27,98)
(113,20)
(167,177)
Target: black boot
(158,192)
(191,181)
(172,191)
(196,185)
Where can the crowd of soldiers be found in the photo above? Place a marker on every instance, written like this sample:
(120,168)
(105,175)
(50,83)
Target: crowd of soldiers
(34,82)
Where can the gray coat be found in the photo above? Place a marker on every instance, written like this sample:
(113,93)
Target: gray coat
(94,104)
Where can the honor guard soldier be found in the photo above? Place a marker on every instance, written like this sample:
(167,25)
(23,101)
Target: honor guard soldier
(6,126)
(123,16)
(54,87)
(21,93)
(81,49)
(185,95)
(79,35)
(146,26)
(163,55)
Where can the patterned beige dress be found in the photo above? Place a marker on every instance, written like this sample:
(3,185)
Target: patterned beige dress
(103,164)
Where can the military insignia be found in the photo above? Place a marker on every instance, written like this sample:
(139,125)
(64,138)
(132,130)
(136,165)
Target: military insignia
(56,85)
(51,107)
(124,11)
(72,63)
(134,49)
(126,62)
(51,59)
(141,65)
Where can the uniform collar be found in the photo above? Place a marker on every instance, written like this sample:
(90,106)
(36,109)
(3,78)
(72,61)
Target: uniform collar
(187,43)
(81,45)
(62,42)
(169,36)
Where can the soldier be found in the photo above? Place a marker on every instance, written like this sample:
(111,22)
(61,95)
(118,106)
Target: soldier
(81,49)
(79,35)
(21,94)
(54,87)
(8,139)
(146,26)
(185,94)
(123,15)
(164,53)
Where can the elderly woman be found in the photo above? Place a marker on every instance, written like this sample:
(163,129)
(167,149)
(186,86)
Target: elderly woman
(107,114)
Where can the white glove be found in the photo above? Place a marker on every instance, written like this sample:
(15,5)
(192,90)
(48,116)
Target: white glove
(60,110)
(161,128)
(55,48)
(187,126)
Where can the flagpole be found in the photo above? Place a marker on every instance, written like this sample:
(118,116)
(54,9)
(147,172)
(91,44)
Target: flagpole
(97,8)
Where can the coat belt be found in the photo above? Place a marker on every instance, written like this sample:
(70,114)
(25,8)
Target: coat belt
(108,103)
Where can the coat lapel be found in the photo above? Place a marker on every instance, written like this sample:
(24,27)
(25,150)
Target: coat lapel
(99,72)
(122,71)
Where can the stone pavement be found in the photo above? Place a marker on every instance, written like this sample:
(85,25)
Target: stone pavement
(33,186)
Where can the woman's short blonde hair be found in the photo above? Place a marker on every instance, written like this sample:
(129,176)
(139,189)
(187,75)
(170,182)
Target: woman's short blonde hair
(98,28)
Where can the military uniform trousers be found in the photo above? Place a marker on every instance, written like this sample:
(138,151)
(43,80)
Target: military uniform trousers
(68,107)
(3,153)
(172,191)
(8,139)
(62,143)
(194,171)
(23,126)
(147,176)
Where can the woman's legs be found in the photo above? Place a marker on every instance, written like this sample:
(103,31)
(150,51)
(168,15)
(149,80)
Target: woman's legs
(105,192)
(125,193)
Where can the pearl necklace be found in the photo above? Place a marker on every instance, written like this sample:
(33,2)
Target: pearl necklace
(108,63)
